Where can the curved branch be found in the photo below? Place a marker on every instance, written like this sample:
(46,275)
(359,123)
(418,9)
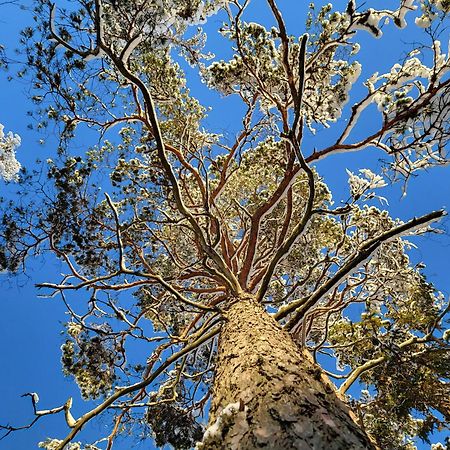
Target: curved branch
(364,252)
(356,373)
(287,245)
(120,392)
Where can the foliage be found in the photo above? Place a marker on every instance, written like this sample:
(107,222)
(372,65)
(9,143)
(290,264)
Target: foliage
(9,166)
(190,219)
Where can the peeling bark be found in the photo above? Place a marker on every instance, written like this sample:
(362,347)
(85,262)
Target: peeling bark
(286,402)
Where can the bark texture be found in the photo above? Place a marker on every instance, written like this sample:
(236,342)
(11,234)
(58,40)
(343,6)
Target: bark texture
(281,398)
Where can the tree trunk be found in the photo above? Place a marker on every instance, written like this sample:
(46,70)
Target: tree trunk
(269,394)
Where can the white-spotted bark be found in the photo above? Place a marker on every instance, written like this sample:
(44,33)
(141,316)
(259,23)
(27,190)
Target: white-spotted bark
(285,401)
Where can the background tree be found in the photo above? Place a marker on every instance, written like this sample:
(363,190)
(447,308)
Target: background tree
(200,244)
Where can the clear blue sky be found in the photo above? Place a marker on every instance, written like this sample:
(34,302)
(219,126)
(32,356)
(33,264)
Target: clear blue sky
(30,327)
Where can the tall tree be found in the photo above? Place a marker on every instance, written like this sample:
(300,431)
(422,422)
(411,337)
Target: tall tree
(217,273)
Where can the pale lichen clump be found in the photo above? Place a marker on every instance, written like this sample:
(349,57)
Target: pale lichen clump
(446,335)
(228,416)
(54,444)
(359,186)
(9,166)
(432,10)
(438,446)
(90,360)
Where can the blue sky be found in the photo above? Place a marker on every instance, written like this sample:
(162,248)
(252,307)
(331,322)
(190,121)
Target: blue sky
(30,327)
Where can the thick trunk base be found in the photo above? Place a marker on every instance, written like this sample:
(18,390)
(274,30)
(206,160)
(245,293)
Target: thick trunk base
(269,394)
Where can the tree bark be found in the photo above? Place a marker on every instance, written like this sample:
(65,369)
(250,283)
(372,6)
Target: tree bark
(268,393)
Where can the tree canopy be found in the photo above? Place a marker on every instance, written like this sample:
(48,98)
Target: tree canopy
(162,222)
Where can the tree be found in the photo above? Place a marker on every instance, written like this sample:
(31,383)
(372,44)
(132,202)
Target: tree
(224,260)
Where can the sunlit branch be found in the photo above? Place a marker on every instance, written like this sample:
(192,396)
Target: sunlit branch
(260,213)
(118,233)
(95,284)
(364,252)
(285,55)
(285,248)
(295,142)
(122,391)
(301,84)
(41,413)
(249,67)
(356,373)
(226,274)
(240,141)
(413,109)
